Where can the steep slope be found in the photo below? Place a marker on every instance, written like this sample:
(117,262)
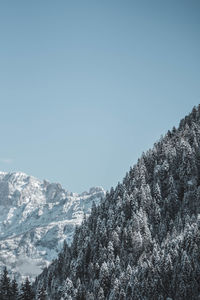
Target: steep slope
(143,241)
(36,217)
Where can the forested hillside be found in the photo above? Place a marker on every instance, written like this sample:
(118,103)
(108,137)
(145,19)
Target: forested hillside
(143,240)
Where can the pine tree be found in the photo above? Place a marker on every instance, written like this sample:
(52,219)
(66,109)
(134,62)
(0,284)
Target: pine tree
(101,294)
(27,291)
(5,286)
(42,294)
(14,289)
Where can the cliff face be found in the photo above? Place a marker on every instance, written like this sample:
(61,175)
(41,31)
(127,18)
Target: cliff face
(36,217)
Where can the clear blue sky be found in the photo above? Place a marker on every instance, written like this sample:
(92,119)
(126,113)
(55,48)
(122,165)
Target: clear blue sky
(87,86)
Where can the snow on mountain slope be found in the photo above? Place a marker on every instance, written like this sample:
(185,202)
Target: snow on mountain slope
(35,218)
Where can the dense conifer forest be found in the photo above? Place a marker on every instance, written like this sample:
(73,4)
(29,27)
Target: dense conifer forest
(10,290)
(143,241)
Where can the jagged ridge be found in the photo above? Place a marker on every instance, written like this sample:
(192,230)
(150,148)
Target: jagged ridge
(36,217)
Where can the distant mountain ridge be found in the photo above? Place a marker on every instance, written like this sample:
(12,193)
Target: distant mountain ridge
(36,217)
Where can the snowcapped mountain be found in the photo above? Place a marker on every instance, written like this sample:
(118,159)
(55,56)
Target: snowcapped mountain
(36,217)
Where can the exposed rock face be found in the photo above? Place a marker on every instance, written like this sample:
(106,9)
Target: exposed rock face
(35,218)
